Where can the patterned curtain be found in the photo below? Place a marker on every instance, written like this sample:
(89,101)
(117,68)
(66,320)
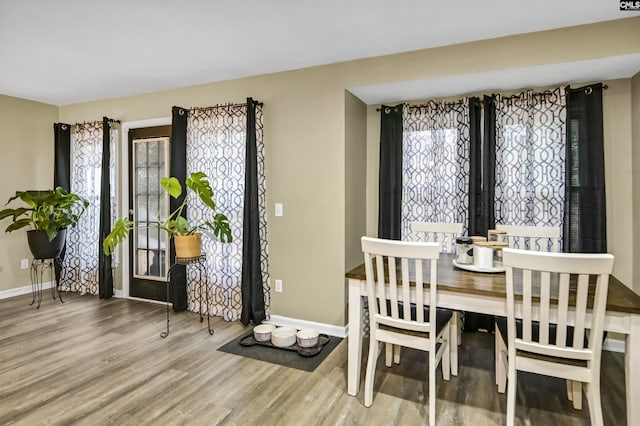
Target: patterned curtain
(435,164)
(216,145)
(530,159)
(80,265)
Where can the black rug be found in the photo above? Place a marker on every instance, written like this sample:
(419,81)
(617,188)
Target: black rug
(280,356)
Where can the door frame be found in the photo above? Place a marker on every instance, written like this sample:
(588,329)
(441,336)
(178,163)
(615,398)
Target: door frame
(124,192)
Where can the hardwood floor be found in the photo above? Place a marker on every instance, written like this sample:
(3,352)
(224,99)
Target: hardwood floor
(96,362)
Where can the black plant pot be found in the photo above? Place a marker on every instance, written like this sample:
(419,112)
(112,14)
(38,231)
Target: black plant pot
(42,248)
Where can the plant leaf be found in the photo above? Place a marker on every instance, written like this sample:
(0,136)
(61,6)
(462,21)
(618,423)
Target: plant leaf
(118,233)
(182,226)
(172,186)
(20,223)
(199,184)
(221,228)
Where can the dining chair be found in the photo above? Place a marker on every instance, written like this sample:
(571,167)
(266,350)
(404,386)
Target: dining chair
(399,312)
(553,337)
(541,238)
(445,234)
(441,232)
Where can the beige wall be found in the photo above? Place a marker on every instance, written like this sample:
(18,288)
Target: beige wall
(306,143)
(616,106)
(355,178)
(635,135)
(26,138)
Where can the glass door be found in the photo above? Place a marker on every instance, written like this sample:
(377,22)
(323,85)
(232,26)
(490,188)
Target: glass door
(149,246)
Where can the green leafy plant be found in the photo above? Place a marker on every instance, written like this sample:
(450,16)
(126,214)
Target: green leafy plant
(174,224)
(48,210)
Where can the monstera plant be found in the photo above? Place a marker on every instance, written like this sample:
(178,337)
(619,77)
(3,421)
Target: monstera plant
(186,234)
(48,213)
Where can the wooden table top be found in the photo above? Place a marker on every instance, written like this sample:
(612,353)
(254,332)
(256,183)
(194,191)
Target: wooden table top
(620,298)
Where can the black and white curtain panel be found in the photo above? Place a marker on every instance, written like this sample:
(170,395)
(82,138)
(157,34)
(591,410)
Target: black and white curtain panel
(81,262)
(435,164)
(530,146)
(216,145)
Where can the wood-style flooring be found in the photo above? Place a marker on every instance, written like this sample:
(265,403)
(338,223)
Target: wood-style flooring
(102,362)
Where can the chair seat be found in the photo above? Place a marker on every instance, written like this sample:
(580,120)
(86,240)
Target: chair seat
(443,315)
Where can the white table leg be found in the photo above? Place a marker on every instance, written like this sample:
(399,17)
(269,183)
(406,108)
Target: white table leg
(632,371)
(355,338)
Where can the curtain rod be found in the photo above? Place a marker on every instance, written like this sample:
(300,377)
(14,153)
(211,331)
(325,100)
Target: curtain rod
(193,108)
(546,92)
(97,122)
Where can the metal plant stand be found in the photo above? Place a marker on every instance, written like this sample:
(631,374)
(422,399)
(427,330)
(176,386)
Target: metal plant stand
(38,268)
(201,263)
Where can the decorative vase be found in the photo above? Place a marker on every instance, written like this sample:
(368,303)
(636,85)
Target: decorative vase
(188,246)
(42,248)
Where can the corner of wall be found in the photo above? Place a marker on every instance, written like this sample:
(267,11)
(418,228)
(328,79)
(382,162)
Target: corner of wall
(635,148)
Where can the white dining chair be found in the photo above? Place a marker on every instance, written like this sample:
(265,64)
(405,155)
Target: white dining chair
(399,312)
(443,233)
(541,238)
(553,336)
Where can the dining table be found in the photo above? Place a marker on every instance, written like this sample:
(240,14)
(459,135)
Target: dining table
(485,293)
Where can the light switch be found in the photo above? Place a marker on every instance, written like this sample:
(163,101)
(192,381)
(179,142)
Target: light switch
(278,209)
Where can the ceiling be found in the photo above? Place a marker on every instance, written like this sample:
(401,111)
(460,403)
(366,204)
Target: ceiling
(70,51)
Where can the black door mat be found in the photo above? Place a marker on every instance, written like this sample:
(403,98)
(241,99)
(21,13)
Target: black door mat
(281,356)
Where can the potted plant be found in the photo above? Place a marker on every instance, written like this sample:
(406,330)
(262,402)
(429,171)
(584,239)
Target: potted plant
(186,235)
(49,213)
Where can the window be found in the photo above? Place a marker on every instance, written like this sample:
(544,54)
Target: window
(435,164)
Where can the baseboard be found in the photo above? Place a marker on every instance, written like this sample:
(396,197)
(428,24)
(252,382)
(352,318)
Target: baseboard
(117,293)
(613,345)
(331,330)
(19,291)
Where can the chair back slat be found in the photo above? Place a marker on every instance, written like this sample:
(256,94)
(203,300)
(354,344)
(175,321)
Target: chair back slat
(443,233)
(581,310)
(600,303)
(540,238)
(526,305)
(393,288)
(561,300)
(545,297)
(380,284)
(419,291)
(563,310)
(406,289)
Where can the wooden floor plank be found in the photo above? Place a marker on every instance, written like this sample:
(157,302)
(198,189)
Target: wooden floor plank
(102,362)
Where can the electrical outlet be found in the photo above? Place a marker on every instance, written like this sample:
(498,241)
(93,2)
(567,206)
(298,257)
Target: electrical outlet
(278,209)
(24,263)
(278,286)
